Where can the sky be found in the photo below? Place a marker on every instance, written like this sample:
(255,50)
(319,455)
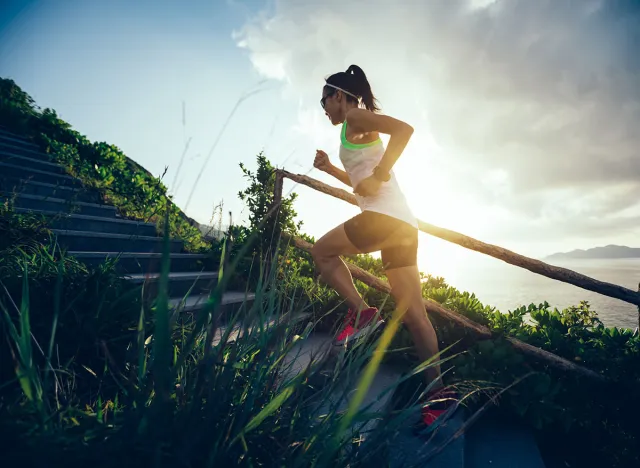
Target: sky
(526,114)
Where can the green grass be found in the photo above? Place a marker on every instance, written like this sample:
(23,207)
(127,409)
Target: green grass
(181,399)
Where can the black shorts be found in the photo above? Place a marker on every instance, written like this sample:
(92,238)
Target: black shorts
(396,239)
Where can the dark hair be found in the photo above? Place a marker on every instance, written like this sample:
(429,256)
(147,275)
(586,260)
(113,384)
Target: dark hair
(354,81)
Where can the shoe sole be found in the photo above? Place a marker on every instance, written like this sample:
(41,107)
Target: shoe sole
(359,333)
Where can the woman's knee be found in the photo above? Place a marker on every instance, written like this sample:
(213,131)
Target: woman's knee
(319,254)
(413,314)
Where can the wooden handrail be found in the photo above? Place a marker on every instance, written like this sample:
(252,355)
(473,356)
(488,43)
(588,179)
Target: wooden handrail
(536,266)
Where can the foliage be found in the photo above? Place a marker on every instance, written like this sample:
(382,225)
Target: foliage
(92,309)
(259,198)
(212,402)
(265,225)
(553,401)
(135,192)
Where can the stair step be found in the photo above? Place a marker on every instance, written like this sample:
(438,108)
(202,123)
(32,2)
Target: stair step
(88,241)
(10,136)
(180,283)
(409,449)
(31,187)
(177,276)
(141,262)
(25,150)
(194,303)
(26,173)
(318,350)
(496,443)
(58,205)
(25,161)
(294,322)
(76,222)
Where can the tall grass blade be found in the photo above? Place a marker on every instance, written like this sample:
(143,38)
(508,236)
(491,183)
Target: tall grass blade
(57,301)
(267,411)
(369,372)
(162,346)
(25,325)
(20,373)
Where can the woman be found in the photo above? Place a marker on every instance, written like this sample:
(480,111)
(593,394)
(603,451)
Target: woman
(385,224)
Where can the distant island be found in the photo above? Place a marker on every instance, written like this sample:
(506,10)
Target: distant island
(609,251)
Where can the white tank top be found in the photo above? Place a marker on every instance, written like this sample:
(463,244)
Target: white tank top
(358,161)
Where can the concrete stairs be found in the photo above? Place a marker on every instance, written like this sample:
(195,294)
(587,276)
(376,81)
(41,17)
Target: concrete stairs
(93,232)
(489,442)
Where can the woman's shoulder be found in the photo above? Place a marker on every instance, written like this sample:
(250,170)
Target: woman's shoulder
(357,115)
(357,121)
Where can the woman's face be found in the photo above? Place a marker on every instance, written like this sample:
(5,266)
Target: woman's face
(330,102)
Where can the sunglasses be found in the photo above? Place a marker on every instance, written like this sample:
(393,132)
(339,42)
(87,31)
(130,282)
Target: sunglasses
(324,98)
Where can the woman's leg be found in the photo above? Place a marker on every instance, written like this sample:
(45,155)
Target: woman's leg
(407,292)
(326,254)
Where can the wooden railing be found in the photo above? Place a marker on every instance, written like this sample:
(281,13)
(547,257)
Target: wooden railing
(561,274)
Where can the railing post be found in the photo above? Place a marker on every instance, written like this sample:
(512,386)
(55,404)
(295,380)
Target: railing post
(277,191)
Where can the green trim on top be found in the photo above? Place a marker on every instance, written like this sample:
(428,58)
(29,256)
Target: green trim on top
(347,144)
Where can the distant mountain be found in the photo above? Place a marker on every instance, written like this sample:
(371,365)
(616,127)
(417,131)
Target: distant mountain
(212,232)
(609,251)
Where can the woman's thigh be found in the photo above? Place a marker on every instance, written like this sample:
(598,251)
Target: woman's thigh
(335,243)
(370,232)
(401,249)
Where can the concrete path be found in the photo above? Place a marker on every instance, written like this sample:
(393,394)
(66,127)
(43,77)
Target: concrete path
(406,448)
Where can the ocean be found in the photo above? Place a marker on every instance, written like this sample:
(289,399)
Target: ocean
(507,287)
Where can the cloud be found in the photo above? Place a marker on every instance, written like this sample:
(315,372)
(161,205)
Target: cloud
(535,105)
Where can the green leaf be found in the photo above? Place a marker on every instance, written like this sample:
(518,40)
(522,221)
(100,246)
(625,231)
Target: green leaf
(266,411)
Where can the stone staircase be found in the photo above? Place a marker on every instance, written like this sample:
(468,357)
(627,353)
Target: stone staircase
(491,442)
(92,231)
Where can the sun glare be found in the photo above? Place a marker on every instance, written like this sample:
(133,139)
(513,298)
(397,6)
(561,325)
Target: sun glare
(439,201)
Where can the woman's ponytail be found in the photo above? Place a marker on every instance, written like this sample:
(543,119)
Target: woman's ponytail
(355,82)
(363,88)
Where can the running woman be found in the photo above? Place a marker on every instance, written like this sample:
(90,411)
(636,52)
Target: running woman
(385,224)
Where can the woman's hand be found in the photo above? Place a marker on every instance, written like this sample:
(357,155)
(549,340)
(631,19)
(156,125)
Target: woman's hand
(322,161)
(369,187)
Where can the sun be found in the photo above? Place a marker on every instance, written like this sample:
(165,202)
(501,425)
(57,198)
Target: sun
(439,201)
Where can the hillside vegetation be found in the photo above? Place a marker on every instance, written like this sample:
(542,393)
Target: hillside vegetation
(136,193)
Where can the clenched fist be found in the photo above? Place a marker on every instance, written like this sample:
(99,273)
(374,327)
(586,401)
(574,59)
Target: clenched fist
(322,161)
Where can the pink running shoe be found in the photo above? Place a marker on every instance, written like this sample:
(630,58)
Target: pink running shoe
(439,402)
(368,322)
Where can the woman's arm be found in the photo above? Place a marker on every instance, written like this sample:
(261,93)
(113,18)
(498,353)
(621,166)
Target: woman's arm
(339,174)
(400,132)
(322,162)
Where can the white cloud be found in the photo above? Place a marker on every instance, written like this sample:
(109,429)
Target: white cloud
(531,106)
